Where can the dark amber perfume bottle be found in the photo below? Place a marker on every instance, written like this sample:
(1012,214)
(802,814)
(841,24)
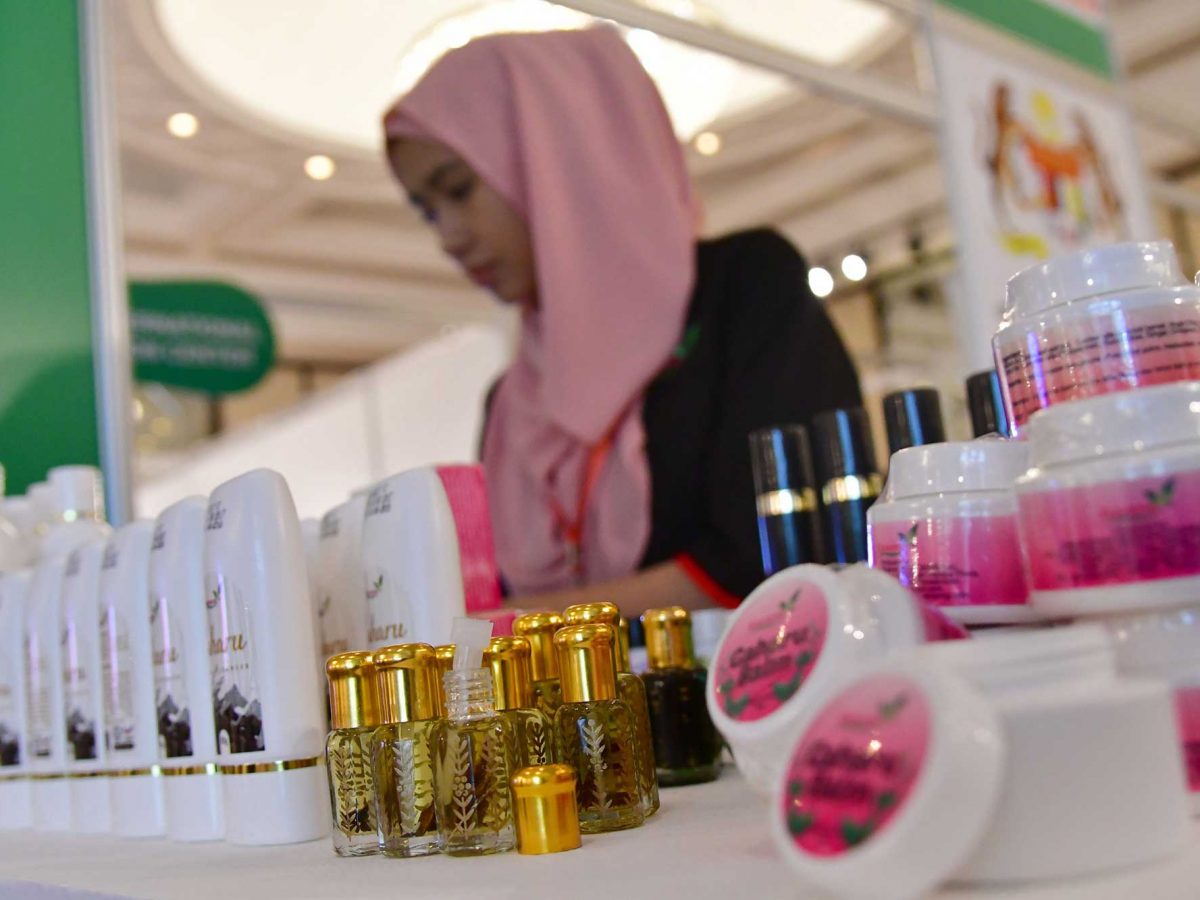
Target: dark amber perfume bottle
(686,746)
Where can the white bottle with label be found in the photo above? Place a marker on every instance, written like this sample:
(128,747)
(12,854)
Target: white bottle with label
(261,645)
(187,741)
(136,789)
(310,533)
(83,700)
(341,607)
(73,506)
(16,792)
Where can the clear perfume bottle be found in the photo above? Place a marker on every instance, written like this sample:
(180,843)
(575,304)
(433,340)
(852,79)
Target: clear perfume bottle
(512,681)
(630,689)
(354,716)
(594,730)
(686,745)
(410,708)
(443,656)
(539,629)
(471,768)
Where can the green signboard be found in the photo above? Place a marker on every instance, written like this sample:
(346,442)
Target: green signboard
(47,387)
(202,335)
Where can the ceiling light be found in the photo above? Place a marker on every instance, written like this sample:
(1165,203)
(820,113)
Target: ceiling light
(708,143)
(319,167)
(820,282)
(183,125)
(854,267)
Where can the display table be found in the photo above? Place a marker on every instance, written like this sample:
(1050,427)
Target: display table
(708,841)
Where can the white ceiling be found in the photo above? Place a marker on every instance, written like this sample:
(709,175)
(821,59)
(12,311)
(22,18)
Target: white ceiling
(350,272)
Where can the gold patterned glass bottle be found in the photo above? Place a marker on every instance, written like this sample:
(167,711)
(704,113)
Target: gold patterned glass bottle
(471,768)
(594,730)
(354,716)
(539,629)
(402,751)
(512,681)
(630,689)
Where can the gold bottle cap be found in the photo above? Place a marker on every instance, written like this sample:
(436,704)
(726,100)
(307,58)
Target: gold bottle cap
(669,638)
(544,809)
(539,628)
(586,659)
(512,677)
(352,698)
(609,614)
(406,676)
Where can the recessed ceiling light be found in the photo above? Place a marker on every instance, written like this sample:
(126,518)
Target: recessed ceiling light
(183,125)
(854,267)
(319,167)
(820,282)
(708,143)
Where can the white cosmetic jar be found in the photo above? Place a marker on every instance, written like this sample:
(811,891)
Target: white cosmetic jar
(1110,510)
(801,631)
(947,529)
(1096,322)
(1019,757)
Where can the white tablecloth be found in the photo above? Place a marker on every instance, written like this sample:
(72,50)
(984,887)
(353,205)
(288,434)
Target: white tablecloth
(708,841)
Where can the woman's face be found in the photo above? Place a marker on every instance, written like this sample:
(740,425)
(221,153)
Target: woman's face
(476,226)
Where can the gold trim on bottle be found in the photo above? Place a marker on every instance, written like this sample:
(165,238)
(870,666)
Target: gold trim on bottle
(669,638)
(781,502)
(512,674)
(352,700)
(544,809)
(206,769)
(21,777)
(586,660)
(95,774)
(852,487)
(154,771)
(608,614)
(407,682)
(278,765)
(47,776)
(539,628)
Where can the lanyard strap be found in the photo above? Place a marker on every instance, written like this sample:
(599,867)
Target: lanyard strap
(572,528)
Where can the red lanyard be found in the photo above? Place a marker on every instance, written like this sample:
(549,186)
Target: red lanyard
(572,528)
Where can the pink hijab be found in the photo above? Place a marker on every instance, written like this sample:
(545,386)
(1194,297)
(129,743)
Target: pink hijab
(571,131)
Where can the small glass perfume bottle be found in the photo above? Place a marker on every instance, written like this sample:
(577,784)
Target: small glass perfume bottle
(539,628)
(595,732)
(354,716)
(686,746)
(632,691)
(512,681)
(402,749)
(472,766)
(444,660)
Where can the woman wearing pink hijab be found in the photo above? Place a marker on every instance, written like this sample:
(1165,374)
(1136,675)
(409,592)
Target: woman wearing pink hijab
(616,443)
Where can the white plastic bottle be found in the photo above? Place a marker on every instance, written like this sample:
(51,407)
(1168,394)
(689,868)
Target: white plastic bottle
(16,793)
(341,606)
(187,741)
(83,700)
(136,789)
(20,512)
(310,533)
(428,555)
(269,713)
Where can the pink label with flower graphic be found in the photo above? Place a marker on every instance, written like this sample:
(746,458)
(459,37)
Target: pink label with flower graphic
(1127,531)
(1187,722)
(1101,354)
(960,561)
(770,651)
(856,766)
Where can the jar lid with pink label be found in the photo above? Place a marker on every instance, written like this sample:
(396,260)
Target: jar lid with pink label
(799,633)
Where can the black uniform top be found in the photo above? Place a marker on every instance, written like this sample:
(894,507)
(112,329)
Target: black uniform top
(757,350)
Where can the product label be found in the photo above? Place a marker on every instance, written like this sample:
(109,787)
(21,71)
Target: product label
(334,637)
(38,685)
(116,660)
(856,766)
(467,495)
(389,608)
(237,707)
(770,651)
(960,561)
(1101,354)
(170,681)
(10,714)
(1187,721)
(78,685)
(1118,533)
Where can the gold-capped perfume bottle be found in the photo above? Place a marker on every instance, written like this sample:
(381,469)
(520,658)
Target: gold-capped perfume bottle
(594,730)
(512,681)
(539,629)
(402,750)
(471,769)
(686,746)
(631,690)
(354,716)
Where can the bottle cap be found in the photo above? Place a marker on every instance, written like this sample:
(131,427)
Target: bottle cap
(544,809)
(984,464)
(986,404)
(76,492)
(539,628)
(607,614)
(587,662)
(783,470)
(913,418)
(512,678)
(406,676)
(842,444)
(669,638)
(352,697)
